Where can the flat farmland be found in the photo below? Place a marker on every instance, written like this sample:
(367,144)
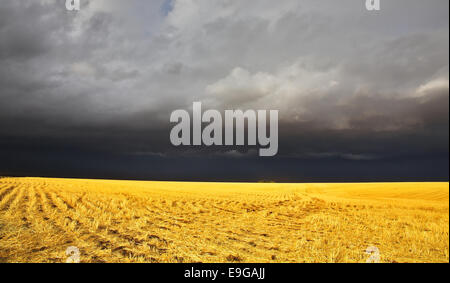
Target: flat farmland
(140,221)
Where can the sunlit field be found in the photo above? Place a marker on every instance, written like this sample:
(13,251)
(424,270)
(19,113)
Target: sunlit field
(136,221)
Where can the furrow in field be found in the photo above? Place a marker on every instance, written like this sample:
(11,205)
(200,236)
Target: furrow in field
(66,225)
(14,203)
(8,198)
(34,219)
(116,240)
(24,210)
(3,189)
(117,221)
(46,213)
(31,205)
(220,230)
(6,192)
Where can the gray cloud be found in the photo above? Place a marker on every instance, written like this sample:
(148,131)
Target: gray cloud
(349,84)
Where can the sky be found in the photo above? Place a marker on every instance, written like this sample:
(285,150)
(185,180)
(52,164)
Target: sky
(362,95)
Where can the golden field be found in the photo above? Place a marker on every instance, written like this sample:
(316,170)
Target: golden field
(137,221)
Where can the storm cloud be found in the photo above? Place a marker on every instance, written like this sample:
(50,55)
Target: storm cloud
(361,95)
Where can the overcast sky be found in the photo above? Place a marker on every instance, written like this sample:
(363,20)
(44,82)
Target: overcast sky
(361,95)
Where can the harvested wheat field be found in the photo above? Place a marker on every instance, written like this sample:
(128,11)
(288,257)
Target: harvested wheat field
(134,221)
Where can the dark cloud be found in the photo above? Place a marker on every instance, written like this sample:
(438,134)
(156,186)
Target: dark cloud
(89,94)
